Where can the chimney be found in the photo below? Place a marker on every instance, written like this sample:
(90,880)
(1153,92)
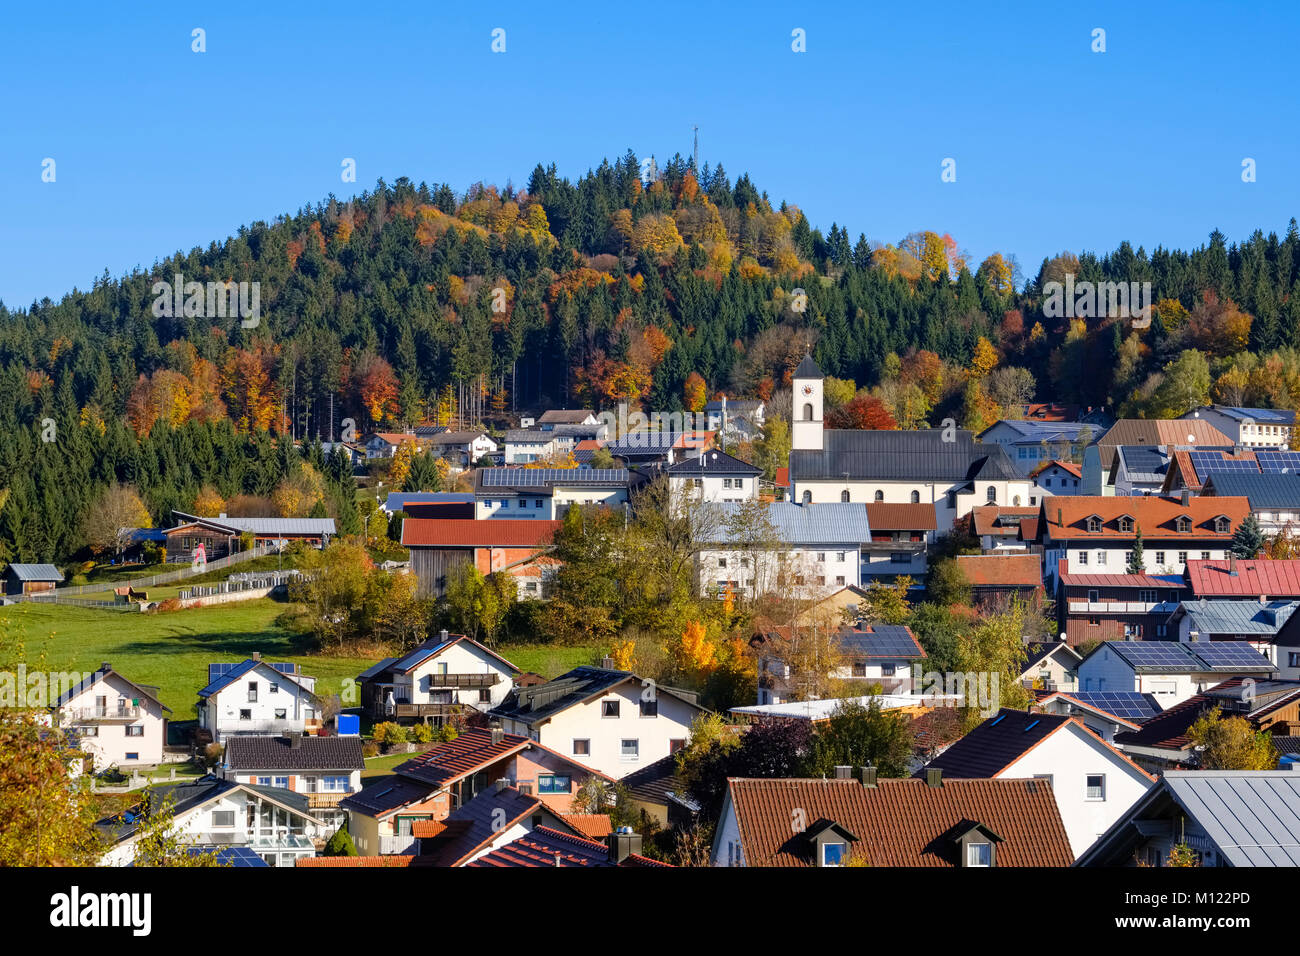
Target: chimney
(500,784)
(869,777)
(843,772)
(295,741)
(622,843)
(1186,497)
(1232,563)
(498,735)
(105,667)
(443,635)
(934,777)
(607,663)
(257,655)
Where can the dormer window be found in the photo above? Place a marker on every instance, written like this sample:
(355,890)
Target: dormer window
(1182,524)
(833,854)
(829,843)
(1126,524)
(1222,525)
(979,854)
(1093,524)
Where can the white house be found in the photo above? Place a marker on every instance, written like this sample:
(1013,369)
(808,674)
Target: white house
(806,550)
(1029,443)
(1092,781)
(1170,671)
(211,813)
(713,476)
(526,445)
(323,769)
(1274,496)
(1252,427)
(118,722)
(1050,665)
(940,466)
(1096,717)
(437,678)
(256,697)
(736,419)
(385,444)
(1055,478)
(612,721)
(868,654)
(546,493)
(463,447)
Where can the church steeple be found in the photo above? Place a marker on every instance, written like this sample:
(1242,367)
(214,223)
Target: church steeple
(806,415)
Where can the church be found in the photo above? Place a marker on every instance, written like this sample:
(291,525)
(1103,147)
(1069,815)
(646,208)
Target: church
(943,466)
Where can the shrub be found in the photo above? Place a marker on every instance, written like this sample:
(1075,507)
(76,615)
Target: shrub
(447,733)
(212,755)
(369,749)
(389,733)
(171,604)
(422,733)
(340,844)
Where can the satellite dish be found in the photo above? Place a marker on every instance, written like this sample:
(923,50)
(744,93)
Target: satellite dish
(1191,439)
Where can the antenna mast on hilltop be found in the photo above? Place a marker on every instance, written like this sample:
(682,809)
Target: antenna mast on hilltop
(695,152)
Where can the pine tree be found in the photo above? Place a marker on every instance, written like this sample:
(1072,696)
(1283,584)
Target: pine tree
(1135,562)
(1248,539)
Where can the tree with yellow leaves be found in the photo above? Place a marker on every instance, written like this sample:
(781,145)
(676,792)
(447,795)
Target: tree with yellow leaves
(985,358)
(623,655)
(400,464)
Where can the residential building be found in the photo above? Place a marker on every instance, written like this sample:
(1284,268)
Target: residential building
(521,548)
(463,448)
(1274,496)
(222,536)
(715,477)
(257,697)
(1030,443)
(659,447)
(1104,714)
(429,504)
(1169,670)
(1260,578)
(998,579)
(1214,813)
(610,720)
(1050,665)
(660,794)
(1246,621)
(445,677)
(736,419)
(868,654)
(1163,742)
(1097,535)
(545,494)
(566,416)
(385,444)
(1001,528)
(323,769)
(1252,427)
(901,534)
(933,822)
(545,847)
(1099,456)
(803,550)
(211,813)
(31,578)
(117,722)
(431,785)
(1117,606)
(1092,782)
(526,445)
(1139,470)
(943,467)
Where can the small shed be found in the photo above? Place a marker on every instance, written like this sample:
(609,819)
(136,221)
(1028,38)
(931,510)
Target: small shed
(31,578)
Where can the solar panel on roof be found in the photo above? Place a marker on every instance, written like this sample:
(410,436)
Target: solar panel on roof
(1155,654)
(1128,705)
(538,477)
(1228,654)
(1207,462)
(1277,462)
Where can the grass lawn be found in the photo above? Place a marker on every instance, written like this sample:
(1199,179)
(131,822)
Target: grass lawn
(382,766)
(550,660)
(172,650)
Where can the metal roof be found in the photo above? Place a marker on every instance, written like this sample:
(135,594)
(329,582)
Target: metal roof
(1174,657)
(828,523)
(1031,431)
(1267,416)
(1260,576)
(1144,462)
(808,368)
(266,526)
(36,572)
(1236,617)
(919,456)
(398,500)
(1266,491)
(1253,816)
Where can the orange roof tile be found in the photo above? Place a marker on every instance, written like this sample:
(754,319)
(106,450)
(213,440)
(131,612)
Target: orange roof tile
(1065,516)
(890,516)
(597,826)
(1002,570)
(332,861)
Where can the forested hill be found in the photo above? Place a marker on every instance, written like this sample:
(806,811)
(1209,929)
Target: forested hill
(414,303)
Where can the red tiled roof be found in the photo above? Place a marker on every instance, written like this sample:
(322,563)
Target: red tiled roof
(1069,466)
(890,516)
(995,519)
(1280,578)
(1118,581)
(1065,516)
(471,751)
(471,533)
(545,847)
(900,822)
(595,825)
(999,570)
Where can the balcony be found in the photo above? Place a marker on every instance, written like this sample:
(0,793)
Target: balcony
(326,801)
(231,728)
(1113,607)
(464,680)
(92,715)
(429,710)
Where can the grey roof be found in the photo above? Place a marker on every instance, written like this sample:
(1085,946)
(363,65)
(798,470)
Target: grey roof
(713,462)
(455,438)
(918,456)
(222,675)
(1253,816)
(887,641)
(808,369)
(308,526)
(1266,416)
(829,523)
(517,435)
(398,500)
(737,405)
(191,795)
(1034,431)
(1267,491)
(1144,462)
(540,701)
(570,416)
(578,430)
(1209,616)
(278,753)
(36,572)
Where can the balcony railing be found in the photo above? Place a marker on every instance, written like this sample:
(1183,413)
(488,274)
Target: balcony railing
(86,715)
(1112,607)
(464,680)
(234,727)
(323,801)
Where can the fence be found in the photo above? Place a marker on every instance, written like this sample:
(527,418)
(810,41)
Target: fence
(248,581)
(153,580)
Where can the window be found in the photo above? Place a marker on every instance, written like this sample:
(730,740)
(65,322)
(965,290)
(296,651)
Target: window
(1050,778)
(840,556)
(1292,659)
(839,580)
(979,854)
(676,744)
(844,496)
(1094,596)
(1222,525)
(807,411)
(281,782)
(1147,597)
(992,495)
(281,714)
(1094,622)
(609,708)
(1083,557)
(537,502)
(1182,557)
(722,562)
(649,708)
(334,784)
(821,556)
(135,730)
(1096,784)
(832,854)
(1205,555)
(1160,558)
(630,749)
(900,557)
(1102,557)
(887,670)
(274,689)
(916,497)
(859,669)
(252,692)
(223,819)
(744,562)
(553,783)
(484,695)
(263,781)
(245,714)
(133,756)
(1094,524)
(581,748)
(87,731)
(726,482)
(879,496)
(1126,524)
(1183,524)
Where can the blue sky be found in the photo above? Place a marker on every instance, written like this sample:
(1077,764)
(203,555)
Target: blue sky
(160,149)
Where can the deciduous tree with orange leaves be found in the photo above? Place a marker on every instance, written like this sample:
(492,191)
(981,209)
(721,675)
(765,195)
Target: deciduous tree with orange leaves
(695,393)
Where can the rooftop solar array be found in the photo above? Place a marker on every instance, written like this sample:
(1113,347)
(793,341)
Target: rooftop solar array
(541,477)
(1227,654)
(1272,462)
(1176,657)
(1207,462)
(220,670)
(890,642)
(1169,654)
(1128,705)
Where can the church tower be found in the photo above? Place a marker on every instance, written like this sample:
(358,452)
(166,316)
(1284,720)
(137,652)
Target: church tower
(806,416)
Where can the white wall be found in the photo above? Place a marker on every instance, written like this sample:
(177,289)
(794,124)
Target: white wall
(1070,755)
(1104,557)
(715,488)
(110,745)
(221,714)
(460,658)
(929,492)
(584,721)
